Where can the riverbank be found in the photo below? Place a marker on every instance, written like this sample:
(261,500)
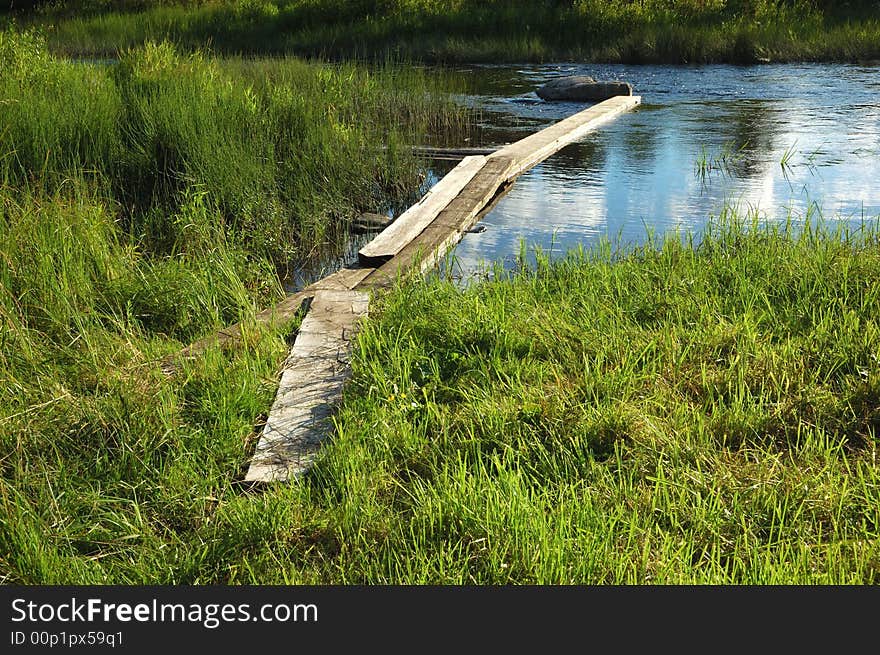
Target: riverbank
(144,203)
(282,154)
(650,31)
(676,413)
(681,413)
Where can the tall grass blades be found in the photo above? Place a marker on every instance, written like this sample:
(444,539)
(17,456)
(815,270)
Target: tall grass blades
(282,151)
(676,413)
(144,202)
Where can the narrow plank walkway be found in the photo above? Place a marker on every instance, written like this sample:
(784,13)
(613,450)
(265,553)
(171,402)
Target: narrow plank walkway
(535,148)
(431,244)
(414,220)
(310,385)
(314,373)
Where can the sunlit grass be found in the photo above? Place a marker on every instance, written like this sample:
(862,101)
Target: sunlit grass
(675,413)
(282,152)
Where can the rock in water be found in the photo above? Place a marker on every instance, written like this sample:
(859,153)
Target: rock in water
(582,88)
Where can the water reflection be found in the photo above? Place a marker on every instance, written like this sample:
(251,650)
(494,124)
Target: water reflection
(641,146)
(779,140)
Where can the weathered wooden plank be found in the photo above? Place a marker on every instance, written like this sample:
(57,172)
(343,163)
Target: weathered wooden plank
(317,367)
(285,310)
(501,167)
(432,152)
(311,384)
(447,228)
(415,219)
(535,148)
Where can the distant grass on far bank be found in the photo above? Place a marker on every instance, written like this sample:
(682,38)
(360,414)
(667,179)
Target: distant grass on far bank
(685,31)
(676,413)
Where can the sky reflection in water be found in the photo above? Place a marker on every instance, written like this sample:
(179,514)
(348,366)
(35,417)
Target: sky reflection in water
(642,171)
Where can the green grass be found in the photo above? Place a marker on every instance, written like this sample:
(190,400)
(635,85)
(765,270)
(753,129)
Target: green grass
(685,31)
(83,320)
(282,153)
(686,412)
(682,412)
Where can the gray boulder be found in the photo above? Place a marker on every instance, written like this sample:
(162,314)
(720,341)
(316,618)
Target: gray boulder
(581,88)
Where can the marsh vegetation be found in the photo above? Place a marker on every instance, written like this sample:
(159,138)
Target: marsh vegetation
(680,410)
(676,413)
(668,31)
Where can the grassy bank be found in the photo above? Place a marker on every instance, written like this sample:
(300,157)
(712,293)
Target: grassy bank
(144,203)
(282,153)
(685,31)
(675,413)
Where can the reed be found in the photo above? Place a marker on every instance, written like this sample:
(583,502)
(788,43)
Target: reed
(283,153)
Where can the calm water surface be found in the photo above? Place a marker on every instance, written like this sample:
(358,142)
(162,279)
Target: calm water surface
(781,140)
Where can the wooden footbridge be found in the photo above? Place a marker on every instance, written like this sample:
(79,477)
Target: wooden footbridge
(317,366)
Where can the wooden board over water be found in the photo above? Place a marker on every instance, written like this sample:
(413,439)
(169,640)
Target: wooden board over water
(316,369)
(428,246)
(311,383)
(458,196)
(415,219)
(534,149)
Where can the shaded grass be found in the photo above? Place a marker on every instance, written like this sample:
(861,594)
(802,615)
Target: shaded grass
(686,31)
(283,153)
(678,413)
